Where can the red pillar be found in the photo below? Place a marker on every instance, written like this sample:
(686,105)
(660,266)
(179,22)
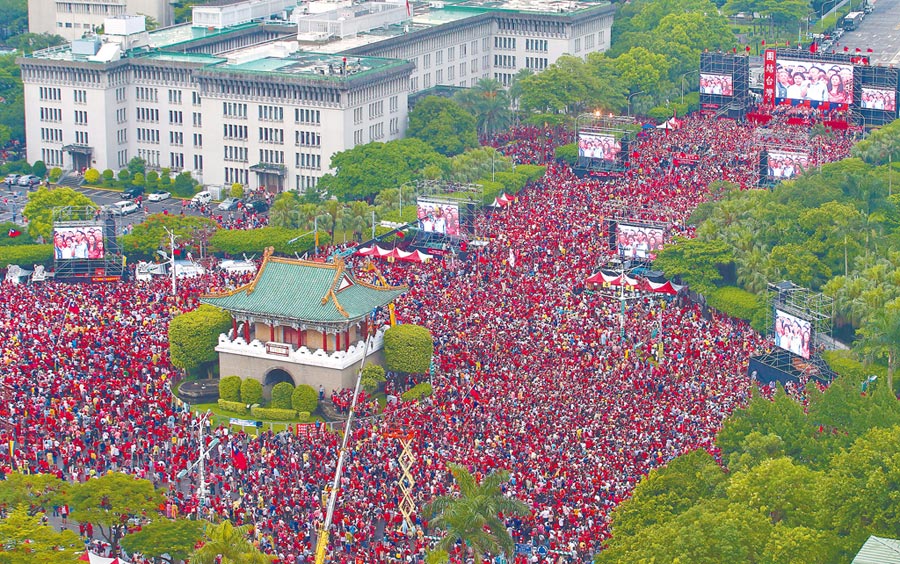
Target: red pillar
(301,337)
(346,339)
(337,341)
(234,333)
(247,331)
(324,341)
(271,332)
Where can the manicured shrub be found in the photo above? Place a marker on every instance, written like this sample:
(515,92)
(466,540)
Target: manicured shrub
(273,414)
(304,398)
(92,176)
(303,416)
(281,395)
(372,375)
(408,348)
(417,392)
(233,406)
(26,255)
(230,388)
(251,391)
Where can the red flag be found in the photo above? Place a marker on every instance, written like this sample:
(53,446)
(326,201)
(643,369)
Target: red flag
(408,11)
(869,50)
(13,232)
(748,49)
(238,460)
(813,47)
(846,48)
(401,234)
(788,43)
(858,50)
(763,41)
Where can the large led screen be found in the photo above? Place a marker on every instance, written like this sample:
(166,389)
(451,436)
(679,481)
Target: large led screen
(437,217)
(878,99)
(597,146)
(638,241)
(792,333)
(71,243)
(814,81)
(721,84)
(783,164)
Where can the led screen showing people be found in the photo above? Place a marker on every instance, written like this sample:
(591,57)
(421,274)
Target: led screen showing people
(784,164)
(595,146)
(437,217)
(878,99)
(792,333)
(721,84)
(78,243)
(639,241)
(813,81)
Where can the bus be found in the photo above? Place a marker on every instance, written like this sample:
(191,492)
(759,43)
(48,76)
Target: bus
(852,20)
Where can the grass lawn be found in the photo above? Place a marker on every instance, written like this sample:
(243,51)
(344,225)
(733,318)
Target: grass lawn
(221,417)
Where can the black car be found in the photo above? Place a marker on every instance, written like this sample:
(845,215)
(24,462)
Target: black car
(133,192)
(257,206)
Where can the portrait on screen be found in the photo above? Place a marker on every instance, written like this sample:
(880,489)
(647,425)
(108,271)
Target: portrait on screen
(639,241)
(78,243)
(814,81)
(596,146)
(783,164)
(792,333)
(721,84)
(436,217)
(878,99)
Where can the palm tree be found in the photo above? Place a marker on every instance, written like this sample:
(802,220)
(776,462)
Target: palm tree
(472,517)
(228,542)
(879,337)
(490,104)
(284,210)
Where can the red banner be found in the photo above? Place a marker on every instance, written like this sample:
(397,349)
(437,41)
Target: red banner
(769,77)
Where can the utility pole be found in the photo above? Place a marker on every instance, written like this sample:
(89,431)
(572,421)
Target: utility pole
(203,453)
(172,258)
(373,224)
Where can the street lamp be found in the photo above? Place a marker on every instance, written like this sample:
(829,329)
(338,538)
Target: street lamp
(682,83)
(630,96)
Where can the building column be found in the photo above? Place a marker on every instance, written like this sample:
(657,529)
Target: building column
(272,332)
(346,339)
(324,341)
(337,341)
(301,337)
(234,332)
(247,331)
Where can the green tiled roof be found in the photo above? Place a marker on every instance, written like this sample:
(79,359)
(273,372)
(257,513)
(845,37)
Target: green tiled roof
(294,289)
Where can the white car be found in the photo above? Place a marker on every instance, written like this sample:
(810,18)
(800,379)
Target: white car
(12,179)
(123,208)
(201,198)
(159,196)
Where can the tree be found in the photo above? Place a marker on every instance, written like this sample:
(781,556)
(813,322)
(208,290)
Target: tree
(372,376)
(92,176)
(251,391)
(108,501)
(781,490)
(193,336)
(408,348)
(489,102)
(166,539)
(472,517)
(31,42)
(184,185)
(697,262)
(365,170)
(226,544)
(124,175)
(137,165)
(33,491)
(304,399)
(237,190)
(39,209)
(148,237)
(26,540)
(443,124)
(230,388)
(55,174)
(880,338)
(39,169)
(281,395)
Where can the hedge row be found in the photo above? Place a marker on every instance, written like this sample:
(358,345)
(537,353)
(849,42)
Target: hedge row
(236,241)
(233,406)
(304,398)
(26,256)
(741,304)
(417,392)
(274,414)
(281,395)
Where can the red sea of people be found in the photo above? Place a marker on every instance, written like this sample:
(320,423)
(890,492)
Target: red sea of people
(534,374)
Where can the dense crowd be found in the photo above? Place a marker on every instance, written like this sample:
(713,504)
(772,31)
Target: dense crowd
(576,397)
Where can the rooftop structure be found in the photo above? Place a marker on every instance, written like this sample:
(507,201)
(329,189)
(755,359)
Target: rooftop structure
(301,321)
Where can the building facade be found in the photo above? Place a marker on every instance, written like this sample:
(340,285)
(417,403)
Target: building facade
(71,19)
(262,104)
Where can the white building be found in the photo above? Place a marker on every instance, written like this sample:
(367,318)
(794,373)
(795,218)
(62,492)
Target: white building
(72,18)
(268,103)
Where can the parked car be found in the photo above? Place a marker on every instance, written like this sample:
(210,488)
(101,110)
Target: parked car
(123,208)
(257,206)
(29,180)
(229,204)
(159,196)
(133,192)
(12,179)
(201,198)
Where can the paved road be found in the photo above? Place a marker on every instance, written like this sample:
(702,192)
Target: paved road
(879,31)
